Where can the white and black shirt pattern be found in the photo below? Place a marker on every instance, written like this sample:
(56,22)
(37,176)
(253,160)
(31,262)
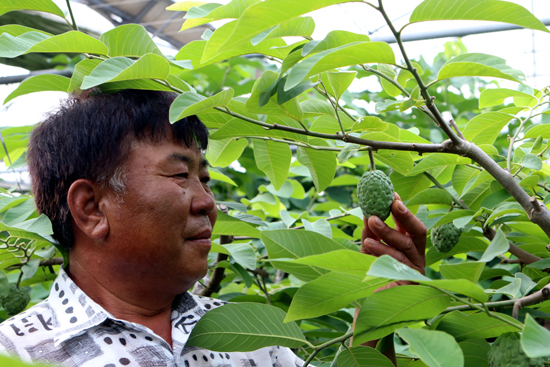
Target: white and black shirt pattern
(70,329)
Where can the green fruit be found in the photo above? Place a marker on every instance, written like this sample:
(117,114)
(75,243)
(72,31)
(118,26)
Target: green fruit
(445,237)
(375,194)
(506,351)
(16,301)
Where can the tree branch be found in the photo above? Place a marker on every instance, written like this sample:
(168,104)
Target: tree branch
(533,299)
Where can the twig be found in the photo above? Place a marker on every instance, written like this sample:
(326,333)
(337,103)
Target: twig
(320,347)
(458,132)
(371,159)
(382,75)
(75,27)
(537,297)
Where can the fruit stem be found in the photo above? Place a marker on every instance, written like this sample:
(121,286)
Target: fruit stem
(371,158)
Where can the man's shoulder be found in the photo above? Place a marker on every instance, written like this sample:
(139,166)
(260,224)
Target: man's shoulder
(27,328)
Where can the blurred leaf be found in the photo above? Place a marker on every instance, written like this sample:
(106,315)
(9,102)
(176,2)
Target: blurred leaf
(535,339)
(435,348)
(40,83)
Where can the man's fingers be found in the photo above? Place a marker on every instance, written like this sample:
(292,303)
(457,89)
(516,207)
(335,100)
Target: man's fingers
(408,223)
(403,243)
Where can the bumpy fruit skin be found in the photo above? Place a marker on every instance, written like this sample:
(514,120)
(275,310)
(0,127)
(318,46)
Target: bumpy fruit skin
(506,351)
(375,194)
(445,237)
(16,301)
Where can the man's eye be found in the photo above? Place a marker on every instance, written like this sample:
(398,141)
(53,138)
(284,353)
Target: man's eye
(181,175)
(205,180)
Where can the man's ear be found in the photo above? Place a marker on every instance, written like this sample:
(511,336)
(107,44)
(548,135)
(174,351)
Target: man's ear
(85,200)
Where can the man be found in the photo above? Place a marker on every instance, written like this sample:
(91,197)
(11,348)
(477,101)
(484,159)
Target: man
(128,197)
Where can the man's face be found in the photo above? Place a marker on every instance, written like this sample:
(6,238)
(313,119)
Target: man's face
(162,226)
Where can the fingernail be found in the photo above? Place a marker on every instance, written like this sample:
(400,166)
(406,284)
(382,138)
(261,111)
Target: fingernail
(378,222)
(401,207)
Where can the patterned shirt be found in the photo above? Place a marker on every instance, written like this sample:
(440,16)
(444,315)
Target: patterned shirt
(70,329)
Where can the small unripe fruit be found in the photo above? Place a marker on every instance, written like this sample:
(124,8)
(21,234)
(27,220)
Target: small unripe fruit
(445,237)
(375,194)
(16,300)
(506,351)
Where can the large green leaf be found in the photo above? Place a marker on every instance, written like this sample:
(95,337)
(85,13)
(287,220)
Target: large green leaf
(465,270)
(231,226)
(17,30)
(223,152)
(388,267)
(362,356)
(274,160)
(70,42)
(346,55)
(130,40)
(479,325)
(484,128)
(46,6)
(465,244)
(267,14)
(321,164)
(380,314)
(332,40)
(408,186)
(494,97)
(435,348)
(40,83)
(190,103)
(116,69)
(301,26)
(431,196)
(434,161)
(329,293)
(477,64)
(475,352)
(243,254)
(538,130)
(491,10)
(498,246)
(337,83)
(535,339)
(238,128)
(245,327)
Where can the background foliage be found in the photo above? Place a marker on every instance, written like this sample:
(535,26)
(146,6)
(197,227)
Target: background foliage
(289,142)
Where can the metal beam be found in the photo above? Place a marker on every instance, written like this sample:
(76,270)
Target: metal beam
(462,32)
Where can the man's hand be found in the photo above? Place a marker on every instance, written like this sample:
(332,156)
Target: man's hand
(406,243)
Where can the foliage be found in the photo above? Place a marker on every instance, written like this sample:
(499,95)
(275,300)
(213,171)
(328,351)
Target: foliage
(289,142)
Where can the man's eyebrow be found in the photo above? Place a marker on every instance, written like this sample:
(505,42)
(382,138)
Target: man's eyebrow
(187,159)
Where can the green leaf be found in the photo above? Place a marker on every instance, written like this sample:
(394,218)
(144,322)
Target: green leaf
(150,66)
(481,65)
(370,123)
(238,128)
(17,30)
(203,13)
(329,293)
(338,82)
(245,327)
(408,186)
(432,196)
(223,152)
(274,160)
(531,161)
(498,246)
(231,226)
(494,97)
(346,55)
(484,128)
(461,176)
(332,40)
(434,161)
(40,83)
(4,284)
(362,356)
(243,254)
(387,267)
(489,10)
(316,107)
(475,352)
(380,314)
(535,339)
(321,164)
(266,15)
(465,270)
(301,26)
(46,6)
(69,42)
(338,261)
(190,103)
(478,325)
(130,40)
(538,130)
(435,348)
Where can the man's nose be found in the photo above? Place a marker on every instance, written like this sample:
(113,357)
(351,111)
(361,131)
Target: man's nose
(203,200)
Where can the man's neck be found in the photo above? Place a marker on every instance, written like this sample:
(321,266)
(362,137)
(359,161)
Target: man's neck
(127,302)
